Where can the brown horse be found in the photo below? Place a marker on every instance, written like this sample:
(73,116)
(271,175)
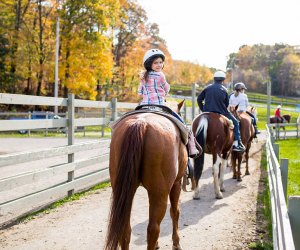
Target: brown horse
(214,135)
(247,134)
(146,149)
(276,120)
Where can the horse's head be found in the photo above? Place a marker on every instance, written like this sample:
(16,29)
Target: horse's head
(287,117)
(175,106)
(234,112)
(252,110)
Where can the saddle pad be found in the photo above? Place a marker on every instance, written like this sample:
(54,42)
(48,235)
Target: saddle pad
(184,131)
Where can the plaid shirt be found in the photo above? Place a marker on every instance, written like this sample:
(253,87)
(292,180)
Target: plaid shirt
(155,89)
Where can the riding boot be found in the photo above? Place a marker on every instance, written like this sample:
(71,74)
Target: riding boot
(256,131)
(241,144)
(193,151)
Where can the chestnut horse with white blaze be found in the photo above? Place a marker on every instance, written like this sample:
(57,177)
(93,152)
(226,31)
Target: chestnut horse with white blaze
(215,136)
(146,150)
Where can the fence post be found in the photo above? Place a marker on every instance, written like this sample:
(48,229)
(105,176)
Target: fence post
(84,116)
(103,116)
(276,150)
(71,130)
(29,118)
(284,175)
(294,215)
(47,117)
(269,91)
(184,112)
(114,109)
(193,100)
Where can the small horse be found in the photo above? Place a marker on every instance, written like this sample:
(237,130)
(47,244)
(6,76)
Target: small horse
(146,149)
(276,120)
(215,136)
(247,134)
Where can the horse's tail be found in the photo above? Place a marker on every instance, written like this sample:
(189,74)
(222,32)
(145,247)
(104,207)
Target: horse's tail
(126,183)
(201,134)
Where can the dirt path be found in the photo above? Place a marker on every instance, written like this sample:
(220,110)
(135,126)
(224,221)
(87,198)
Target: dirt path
(229,223)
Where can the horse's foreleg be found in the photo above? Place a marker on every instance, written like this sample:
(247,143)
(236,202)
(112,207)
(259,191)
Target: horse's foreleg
(198,167)
(158,201)
(247,159)
(174,212)
(222,170)
(233,165)
(215,173)
(240,158)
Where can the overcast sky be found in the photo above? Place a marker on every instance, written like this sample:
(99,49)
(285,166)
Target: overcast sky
(207,31)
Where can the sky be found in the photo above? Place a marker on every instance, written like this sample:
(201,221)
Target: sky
(207,31)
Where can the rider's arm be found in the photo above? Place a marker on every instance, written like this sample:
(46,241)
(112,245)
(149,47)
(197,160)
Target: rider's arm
(200,99)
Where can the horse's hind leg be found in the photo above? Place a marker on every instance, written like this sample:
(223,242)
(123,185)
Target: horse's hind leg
(247,159)
(174,211)
(215,173)
(157,209)
(222,170)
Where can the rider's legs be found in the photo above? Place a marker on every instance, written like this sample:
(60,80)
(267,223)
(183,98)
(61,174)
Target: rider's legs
(237,144)
(193,151)
(254,122)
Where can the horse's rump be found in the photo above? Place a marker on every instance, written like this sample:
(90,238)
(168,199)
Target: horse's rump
(216,124)
(214,135)
(145,149)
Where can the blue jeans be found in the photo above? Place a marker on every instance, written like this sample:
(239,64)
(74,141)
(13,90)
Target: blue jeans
(236,130)
(253,117)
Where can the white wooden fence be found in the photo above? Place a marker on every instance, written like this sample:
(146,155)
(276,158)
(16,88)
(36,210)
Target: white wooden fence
(285,130)
(12,207)
(285,221)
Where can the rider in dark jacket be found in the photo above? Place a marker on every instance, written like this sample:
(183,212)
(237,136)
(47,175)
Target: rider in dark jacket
(214,98)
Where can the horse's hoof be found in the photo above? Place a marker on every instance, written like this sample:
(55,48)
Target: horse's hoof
(157,246)
(234,177)
(196,198)
(176,247)
(219,196)
(239,179)
(247,173)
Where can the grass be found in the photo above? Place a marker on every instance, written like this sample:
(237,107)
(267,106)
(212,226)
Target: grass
(263,213)
(290,149)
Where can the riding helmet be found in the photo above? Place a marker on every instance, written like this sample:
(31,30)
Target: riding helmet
(239,86)
(153,53)
(219,75)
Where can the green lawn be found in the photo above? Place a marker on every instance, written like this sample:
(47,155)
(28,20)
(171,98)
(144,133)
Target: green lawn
(290,149)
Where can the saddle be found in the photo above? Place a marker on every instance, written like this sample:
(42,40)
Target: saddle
(229,122)
(159,110)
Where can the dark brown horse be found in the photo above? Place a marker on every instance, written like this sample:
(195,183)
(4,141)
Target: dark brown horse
(247,134)
(276,120)
(215,136)
(146,149)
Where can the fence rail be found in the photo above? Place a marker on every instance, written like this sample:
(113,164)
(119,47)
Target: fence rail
(25,192)
(285,221)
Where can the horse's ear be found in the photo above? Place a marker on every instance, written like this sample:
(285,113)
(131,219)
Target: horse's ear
(236,107)
(180,104)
